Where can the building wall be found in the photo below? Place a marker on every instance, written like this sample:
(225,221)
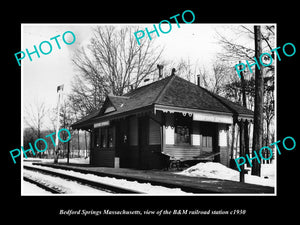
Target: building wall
(147,142)
(200,132)
(100,156)
(130,157)
(154,132)
(179,152)
(223,139)
(103,157)
(206,138)
(133,131)
(144,143)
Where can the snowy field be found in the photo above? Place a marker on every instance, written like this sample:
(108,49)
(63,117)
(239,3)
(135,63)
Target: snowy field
(219,171)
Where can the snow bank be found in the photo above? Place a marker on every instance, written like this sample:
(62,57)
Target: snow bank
(210,170)
(219,171)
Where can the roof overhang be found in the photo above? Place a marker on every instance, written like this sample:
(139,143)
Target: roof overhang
(244,117)
(198,115)
(105,119)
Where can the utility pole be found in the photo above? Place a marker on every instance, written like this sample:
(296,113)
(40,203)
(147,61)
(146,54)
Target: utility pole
(258,104)
(59,90)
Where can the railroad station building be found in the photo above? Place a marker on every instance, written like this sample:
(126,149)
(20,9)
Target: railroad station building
(170,119)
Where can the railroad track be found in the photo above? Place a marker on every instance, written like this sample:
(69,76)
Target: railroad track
(95,184)
(42,185)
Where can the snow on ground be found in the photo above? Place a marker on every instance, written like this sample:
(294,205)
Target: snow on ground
(209,170)
(219,171)
(65,186)
(32,189)
(142,187)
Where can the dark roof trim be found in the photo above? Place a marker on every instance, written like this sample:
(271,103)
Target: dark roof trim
(98,119)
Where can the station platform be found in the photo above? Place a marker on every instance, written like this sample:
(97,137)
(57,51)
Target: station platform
(197,185)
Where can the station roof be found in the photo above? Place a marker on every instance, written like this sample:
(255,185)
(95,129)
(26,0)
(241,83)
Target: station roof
(172,91)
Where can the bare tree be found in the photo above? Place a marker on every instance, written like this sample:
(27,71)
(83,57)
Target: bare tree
(258,105)
(113,63)
(186,69)
(269,112)
(235,51)
(34,119)
(216,80)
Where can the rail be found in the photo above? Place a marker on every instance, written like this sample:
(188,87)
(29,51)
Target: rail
(95,184)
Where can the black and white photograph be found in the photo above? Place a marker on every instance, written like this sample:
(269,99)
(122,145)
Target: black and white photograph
(137,112)
(163,114)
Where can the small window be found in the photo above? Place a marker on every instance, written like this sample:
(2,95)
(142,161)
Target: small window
(109,109)
(96,138)
(182,135)
(106,137)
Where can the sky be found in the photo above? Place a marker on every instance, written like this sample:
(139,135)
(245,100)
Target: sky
(41,76)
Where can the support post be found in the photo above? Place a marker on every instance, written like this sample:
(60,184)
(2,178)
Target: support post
(59,90)
(232,162)
(242,150)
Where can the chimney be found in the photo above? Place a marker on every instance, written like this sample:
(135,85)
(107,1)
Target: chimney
(173,72)
(198,80)
(160,71)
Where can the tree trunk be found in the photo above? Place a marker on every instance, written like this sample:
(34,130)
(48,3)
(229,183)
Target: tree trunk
(258,105)
(244,100)
(267,141)
(86,145)
(78,145)
(68,153)
(242,149)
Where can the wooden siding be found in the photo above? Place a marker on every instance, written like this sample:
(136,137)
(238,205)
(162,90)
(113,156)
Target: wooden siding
(154,133)
(101,157)
(203,141)
(223,137)
(224,156)
(181,151)
(151,158)
(129,157)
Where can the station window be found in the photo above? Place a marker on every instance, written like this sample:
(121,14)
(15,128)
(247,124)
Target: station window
(106,137)
(182,135)
(207,141)
(96,138)
(183,129)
